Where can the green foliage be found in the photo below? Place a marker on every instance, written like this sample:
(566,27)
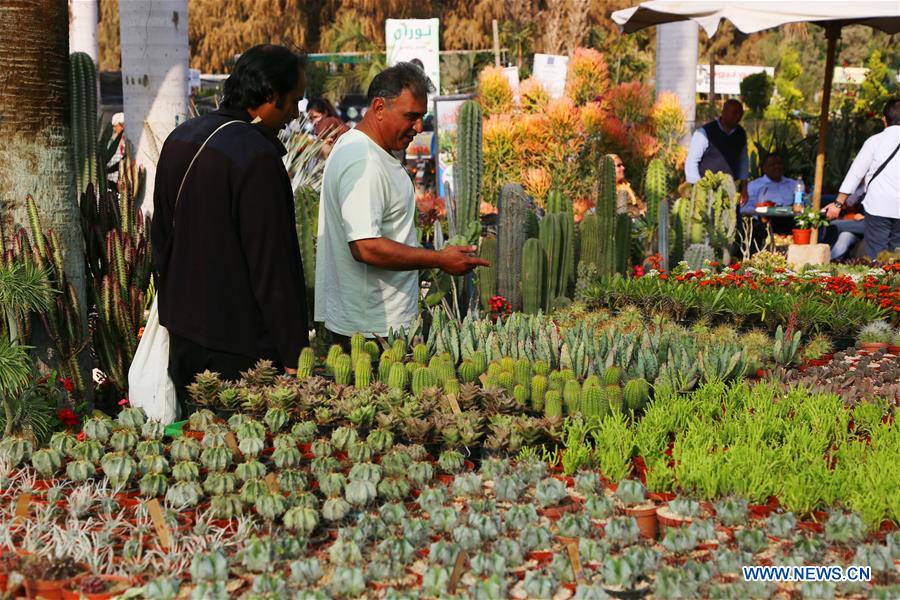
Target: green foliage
(756,91)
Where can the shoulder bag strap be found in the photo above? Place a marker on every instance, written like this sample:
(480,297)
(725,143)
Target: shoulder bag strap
(883,165)
(193,160)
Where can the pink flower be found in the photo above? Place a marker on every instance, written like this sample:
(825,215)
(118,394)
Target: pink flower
(123,401)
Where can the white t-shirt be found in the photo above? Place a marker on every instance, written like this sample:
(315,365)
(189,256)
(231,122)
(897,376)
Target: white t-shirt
(366,193)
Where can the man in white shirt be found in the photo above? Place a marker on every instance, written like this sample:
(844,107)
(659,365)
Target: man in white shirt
(773,186)
(878,165)
(720,146)
(368,256)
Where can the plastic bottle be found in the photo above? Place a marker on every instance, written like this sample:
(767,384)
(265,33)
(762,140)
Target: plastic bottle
(799,193)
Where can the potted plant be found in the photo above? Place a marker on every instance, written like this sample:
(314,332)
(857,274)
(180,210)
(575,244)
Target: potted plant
(806,222)
(633,495)
(95,587)
(875,336)
(46,577)
(894,347)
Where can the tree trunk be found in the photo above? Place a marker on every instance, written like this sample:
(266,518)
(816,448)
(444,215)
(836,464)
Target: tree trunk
(35,156)
(154,39)
(83,28)
(676,67)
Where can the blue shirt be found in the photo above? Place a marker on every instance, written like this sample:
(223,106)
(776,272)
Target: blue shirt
(764,189)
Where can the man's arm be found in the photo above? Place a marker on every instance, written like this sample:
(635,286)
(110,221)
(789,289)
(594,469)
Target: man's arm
(698,146)
(394,256)
(855,176)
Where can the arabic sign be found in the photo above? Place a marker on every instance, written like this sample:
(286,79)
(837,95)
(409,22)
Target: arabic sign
(550,71)
(407,39)
(728,77)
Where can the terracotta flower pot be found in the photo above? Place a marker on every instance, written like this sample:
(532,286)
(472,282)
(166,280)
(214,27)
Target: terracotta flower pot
(801,236)
(45,589)
(895,350)
(872,346)
(646,520)
(70,590)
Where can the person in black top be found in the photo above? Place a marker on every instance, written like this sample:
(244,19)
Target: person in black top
(720,146)
(225,252)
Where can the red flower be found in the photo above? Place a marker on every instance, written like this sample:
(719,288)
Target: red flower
(67,416)
(735,266)
(123,401)
(81,436)
(67,383)
(638,271)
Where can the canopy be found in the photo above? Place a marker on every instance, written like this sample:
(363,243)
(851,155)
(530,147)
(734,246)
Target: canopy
(751,17)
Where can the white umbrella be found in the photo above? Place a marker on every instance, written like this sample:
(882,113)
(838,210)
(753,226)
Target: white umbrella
(751,17)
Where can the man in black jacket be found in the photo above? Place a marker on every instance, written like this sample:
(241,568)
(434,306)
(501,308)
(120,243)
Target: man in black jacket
(225,251)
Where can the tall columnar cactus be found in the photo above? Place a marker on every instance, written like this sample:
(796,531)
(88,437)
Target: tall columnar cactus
(623,243)
(83,87)
(468,166)
(681,218)
(513,211)
(655,189)
(591,244)
(487,276)
(306,214)
(534,276)
(606,216)
(663,233)
(538,391)
(710,215)
(697,254)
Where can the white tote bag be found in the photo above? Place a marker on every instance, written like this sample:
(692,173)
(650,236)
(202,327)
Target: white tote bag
(149,384)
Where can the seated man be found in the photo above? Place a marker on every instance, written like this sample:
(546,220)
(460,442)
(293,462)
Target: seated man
(847,227)
(773,187)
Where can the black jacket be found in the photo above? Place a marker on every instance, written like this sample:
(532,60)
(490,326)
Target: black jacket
(229,276)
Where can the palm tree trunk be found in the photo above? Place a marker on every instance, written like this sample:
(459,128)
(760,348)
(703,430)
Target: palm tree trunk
(35,153)
(154,40)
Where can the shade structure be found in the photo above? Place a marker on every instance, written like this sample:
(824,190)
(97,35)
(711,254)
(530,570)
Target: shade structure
(750,17)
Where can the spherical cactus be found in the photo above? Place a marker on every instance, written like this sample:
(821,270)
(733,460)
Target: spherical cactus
(123,440)
(335,509)
(46,461)
(567,374)
(398,377)
(384,367)
(538,391)
(91,450)
(480,360)
(343,369)
(98,428)
(250,428)
(270,506)
(217,484)
(291,481)
(553,404)
(217,458)
(184,494)
(306,363)
(594,401)
(332,484)
(636,394)
(214,435)
(344,437)
(540,367)
(64,443)
(184,448)
(251,469)
(443,372)
(186,470)
(451,386)
(380,440)
(421,473)
(251,446)
(118,467)
(507,381)
(132,418)
(80,470)
(201,419)
(359,452)
(612,375)
(154,463)
(153,485)
(393,488)
(520,393)
(572,397)
(153,430)
(252,489)
(614,399)
(333,352)
(523,372)
(276,418)
(420,354)
(304,432)
(422,379)
(468,372)
(556,381)
(362,374)
(360,492)
(284,458)
(301,519)
(226,507)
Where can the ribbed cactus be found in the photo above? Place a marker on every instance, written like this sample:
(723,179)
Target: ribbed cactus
(362,373)
(534,276)
(357,346)
(572,396)
(655,189)
(538,392)
(614,399)
(514,209)
(384,367)
(398,376)
(556,239)
(593,401)
(591,244)
(480,361)
(662,233)
(306,363)
(468,372)
(506,381)
(636,394)
(420,354)
(487,276)
(623,243)
(520,393)
(680,215)
(697,254)
(333,352)
(83,88)
(423,379)
(612,375)
(343,367)
(468,166)
(606,216)
(523,371)
(306,214)
(553,404)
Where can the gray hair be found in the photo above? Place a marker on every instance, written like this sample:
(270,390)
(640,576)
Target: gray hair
(391,82)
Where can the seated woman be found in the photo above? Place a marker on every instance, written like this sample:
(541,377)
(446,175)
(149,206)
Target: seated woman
(846,231)
(626,200)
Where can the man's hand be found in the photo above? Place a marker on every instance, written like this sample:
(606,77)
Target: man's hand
(832,211)
(744,195)
(290,371)
(458,260)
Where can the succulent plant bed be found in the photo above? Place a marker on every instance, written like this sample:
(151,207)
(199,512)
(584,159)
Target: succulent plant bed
(866,375)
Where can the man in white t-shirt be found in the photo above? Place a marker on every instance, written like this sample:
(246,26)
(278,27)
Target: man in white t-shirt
(367,255)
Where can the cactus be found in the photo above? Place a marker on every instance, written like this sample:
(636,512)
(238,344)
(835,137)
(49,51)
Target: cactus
(520,394)
(306,205)
(514,211)
(468,372)
(398,350)
(480,361)
(556,238)
(306,363)
(118,467)
(270,506)
(487,276)
(153,463)
(333,352)
(132,418)
(697,256)
(606,216)
(83,88)
(46,461)
(362,374)
(420,354)
(422,379)
(612,375)
(468,166)
(384,367)
(80,470)
(655,189)
(623,243)
(506,381)
(553,404)
(593,402)
(276,418)
(662,233)
(636,394)
(398,376)
(342,369)
(357,346)
(217,458)
(591,244)
(614,399)
(534,276)
(123,440)
(572,397)
(538,392)
(301,519)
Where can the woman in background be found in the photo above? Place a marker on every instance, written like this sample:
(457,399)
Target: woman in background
(326,123)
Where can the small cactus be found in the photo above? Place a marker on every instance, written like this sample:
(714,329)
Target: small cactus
(362,374)
(422,379)
(538,391)
(342,369)
(306,363)
(357,346)
(636,394)
(614,399)
(572,397)
(384,367)
(553,405)
(398,377)
(420,354)
(594,404)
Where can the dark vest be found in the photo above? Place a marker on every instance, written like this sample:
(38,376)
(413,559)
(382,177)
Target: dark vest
(724,151)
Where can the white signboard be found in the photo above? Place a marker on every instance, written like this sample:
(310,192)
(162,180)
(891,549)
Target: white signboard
(408,39)
(550,71)
(728,77)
